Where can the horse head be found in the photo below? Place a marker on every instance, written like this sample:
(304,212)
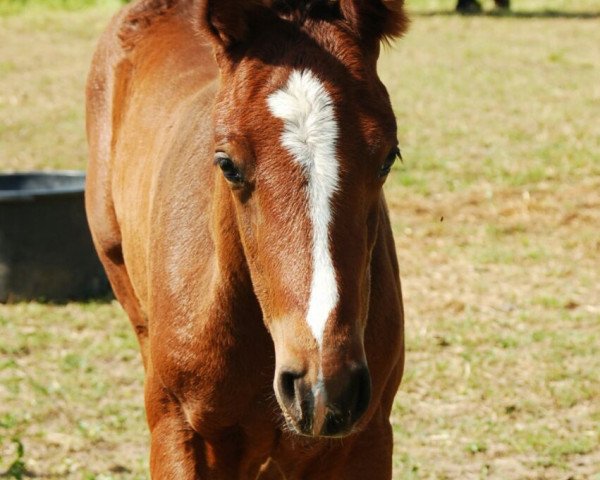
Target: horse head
(304,138)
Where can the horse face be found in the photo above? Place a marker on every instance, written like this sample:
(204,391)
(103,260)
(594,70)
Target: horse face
(304,139)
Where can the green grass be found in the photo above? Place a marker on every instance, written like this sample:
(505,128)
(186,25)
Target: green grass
(496,216)
(12,7)
(71,385)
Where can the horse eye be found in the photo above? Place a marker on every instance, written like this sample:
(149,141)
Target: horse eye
(230,171)
(389,161)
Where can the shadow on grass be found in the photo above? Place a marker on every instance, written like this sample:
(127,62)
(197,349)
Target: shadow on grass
(511,14)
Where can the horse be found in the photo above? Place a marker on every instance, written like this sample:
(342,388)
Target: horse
(237,154)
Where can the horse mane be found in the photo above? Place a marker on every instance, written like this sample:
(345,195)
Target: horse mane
(300,10)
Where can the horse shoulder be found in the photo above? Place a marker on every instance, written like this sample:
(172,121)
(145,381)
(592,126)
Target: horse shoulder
(152,81)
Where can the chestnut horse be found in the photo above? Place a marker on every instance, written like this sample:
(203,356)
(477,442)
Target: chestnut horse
(238,151)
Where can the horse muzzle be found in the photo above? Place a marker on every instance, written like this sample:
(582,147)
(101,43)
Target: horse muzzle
(327,407)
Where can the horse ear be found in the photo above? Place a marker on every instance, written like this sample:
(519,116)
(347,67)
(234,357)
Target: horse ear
(224,21)
(375,20)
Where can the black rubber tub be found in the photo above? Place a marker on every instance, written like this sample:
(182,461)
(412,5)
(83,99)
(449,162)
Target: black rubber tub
(46,250)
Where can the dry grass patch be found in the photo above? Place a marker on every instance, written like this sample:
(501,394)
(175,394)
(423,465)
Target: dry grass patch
(44,58)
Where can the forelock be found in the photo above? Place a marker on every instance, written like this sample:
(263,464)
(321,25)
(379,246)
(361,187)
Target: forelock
(301,10)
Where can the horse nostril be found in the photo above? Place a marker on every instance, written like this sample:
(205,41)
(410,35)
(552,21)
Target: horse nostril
(297,399)
(287,386)
(350,403)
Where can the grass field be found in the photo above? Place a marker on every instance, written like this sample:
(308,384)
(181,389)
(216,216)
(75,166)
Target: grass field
(496,212)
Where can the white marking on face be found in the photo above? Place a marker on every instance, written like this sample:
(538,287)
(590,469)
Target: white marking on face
(310,135)
(320,405)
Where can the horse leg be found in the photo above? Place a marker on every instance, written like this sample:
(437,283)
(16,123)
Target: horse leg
(468,6)
(173,443)
(178,451)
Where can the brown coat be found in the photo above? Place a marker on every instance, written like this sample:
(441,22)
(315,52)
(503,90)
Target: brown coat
(215,275)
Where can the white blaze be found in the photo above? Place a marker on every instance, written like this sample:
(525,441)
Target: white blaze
(310,134)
